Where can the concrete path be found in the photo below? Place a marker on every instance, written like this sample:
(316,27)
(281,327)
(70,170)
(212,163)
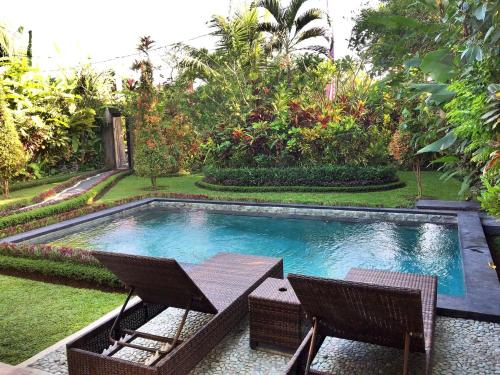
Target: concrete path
(72,191)
(80,187)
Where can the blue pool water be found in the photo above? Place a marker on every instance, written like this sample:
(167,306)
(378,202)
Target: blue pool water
(312,247)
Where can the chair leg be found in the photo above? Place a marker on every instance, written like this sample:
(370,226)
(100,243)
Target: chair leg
(119,316)
(168,347)
(312,345)
(406,353)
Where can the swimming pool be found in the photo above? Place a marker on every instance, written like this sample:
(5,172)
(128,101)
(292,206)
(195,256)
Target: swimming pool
(317,247)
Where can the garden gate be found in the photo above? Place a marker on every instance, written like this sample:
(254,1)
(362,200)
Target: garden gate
(116,142)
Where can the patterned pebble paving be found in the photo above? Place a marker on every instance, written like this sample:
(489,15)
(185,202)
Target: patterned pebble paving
(461,347)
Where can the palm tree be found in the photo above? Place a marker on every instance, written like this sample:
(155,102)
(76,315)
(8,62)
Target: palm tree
(288,30)
(239,42)
(6,44)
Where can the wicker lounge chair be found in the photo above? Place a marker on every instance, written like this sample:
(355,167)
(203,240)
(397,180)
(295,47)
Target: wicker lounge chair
(219,286)
(377,307)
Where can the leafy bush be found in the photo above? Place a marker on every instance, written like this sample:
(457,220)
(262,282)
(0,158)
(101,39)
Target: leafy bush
(58,118)
(301,189)
(42,251)
(63,206)
(490,198)
(335,175)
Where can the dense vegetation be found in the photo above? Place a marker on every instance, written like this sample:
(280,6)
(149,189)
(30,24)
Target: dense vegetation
(426,72)
(50,123)
(441,60)
(422,94)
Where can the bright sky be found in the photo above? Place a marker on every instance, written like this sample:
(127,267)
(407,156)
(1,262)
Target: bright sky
(70,32)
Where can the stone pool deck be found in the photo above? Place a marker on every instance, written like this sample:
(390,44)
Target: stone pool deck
(461,347)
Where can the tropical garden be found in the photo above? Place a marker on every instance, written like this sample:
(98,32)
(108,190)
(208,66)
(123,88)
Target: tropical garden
(269,114)
(271,102)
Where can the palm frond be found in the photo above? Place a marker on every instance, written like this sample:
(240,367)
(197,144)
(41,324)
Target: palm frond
(290,13)
(197,62)
(322,50)
(313,32)
(307,17)
(268,27)
(273,7)
(196,68)
(6,48)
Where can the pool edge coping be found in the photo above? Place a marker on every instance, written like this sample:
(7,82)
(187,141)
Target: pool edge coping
(482,294)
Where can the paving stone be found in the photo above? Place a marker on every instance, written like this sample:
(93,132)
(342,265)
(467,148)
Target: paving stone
(322,212)
(461,347)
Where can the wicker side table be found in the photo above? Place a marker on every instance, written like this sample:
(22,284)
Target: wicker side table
(276,316)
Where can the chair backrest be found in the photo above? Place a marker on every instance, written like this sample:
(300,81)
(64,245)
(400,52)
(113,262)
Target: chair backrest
(157,280)
(363,312)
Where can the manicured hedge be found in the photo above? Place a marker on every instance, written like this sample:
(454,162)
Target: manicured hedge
(92,274)
(331,175)
(63,206)
(55,262)
(301,189)
(50,252)
(46,180)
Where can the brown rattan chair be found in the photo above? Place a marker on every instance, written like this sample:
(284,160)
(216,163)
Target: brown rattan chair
(219,286)
(378,307)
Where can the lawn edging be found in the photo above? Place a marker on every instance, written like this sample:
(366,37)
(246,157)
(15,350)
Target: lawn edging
(300,189)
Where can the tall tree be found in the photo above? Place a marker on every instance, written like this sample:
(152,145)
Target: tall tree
(29,50)
(394,32)
(12,154)
(152,155)
(290,31)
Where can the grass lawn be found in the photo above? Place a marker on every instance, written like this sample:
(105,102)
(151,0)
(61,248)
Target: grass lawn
(35,315)
(31,192)
(403,197)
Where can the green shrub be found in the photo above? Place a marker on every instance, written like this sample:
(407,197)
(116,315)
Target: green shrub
(94,274)
(331,176)
(301,189)
(6,209)
(44,251)
(43,181)
(12,153)
(63,206)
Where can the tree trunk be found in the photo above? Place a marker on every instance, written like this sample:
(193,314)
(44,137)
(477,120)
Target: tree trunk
(154,186)
(5,188)
(418,176)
